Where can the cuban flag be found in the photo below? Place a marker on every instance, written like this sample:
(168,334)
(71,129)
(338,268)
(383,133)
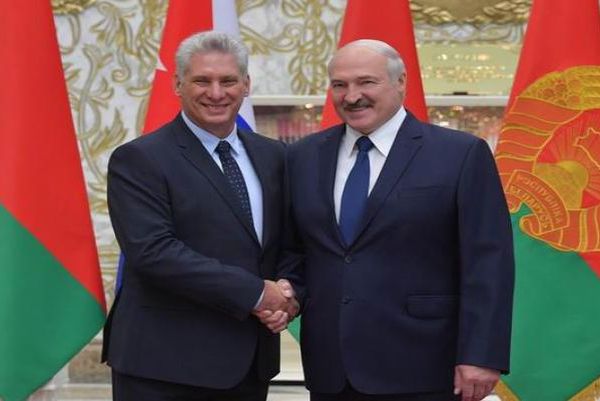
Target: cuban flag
(185,17)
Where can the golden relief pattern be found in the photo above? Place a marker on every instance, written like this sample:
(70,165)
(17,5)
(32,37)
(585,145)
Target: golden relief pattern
(61,7)
(548,158)
(476,12)
(305,35)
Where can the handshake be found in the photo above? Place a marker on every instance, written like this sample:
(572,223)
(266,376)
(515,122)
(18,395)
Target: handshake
(278,306)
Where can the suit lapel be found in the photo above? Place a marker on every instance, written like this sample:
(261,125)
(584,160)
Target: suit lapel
(406,145)
(328,155)
(261,165)
(193,150)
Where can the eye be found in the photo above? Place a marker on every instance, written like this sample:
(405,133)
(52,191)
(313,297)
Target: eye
(229,82)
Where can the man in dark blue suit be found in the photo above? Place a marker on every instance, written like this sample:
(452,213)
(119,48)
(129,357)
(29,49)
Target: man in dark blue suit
(196,207)
(402,243)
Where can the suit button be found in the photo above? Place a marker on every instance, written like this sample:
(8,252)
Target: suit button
(348,259)
(346,300)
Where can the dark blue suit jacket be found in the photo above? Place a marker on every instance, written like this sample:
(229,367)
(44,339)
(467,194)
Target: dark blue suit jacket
(428,282)
(194,266)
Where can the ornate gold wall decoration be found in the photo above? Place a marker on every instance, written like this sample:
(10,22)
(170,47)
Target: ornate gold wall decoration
(476,12)
(303,34)
(109,52)
(61,7)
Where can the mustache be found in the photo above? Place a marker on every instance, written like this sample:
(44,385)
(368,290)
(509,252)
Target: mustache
(357,105)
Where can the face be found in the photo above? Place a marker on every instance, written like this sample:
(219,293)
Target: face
(363,93)
(212,90)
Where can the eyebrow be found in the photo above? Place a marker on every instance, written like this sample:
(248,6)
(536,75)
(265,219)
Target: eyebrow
(358,78)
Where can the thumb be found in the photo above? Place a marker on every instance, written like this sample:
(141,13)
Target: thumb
(286,288)
(457,381)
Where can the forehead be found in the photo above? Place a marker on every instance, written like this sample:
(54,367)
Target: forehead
(213,63)
(357,61)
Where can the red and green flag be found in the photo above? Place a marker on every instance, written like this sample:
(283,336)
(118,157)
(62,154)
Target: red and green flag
(548,156)
(51,297)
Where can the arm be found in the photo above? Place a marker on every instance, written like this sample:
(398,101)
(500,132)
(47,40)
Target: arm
(486,275)
(289,269)
(140,211)
(291,261)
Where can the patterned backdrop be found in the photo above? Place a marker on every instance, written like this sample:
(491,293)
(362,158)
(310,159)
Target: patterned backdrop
(109,51)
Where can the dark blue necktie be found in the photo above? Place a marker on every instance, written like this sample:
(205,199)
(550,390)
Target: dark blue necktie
(356,191)
(234,176)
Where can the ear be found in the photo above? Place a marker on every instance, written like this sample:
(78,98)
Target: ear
(177,85)
(402,81)
(402,85)
(247,86)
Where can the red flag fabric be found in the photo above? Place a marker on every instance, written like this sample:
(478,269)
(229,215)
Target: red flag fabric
(184,18)
(391,22)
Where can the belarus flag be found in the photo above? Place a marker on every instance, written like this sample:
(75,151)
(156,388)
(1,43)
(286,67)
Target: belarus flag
(51,295)
(184,18)
(548,157)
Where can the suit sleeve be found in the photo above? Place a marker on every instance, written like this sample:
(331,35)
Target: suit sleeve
(291,262)
(486,263)
(140,213)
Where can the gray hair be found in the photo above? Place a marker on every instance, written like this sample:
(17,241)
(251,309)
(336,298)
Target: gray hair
(395,64)
(210,41)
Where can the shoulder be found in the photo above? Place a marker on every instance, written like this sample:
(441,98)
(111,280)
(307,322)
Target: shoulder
(447,136)
(314,140)
(153,145)
(449,141)
(261,145)
(261,140)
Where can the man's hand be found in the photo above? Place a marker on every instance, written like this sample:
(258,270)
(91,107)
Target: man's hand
(278,306)
(474,383)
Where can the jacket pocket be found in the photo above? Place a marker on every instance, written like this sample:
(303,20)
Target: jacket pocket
(432,306)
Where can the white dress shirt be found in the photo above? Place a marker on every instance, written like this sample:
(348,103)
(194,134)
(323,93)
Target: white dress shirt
(382,138)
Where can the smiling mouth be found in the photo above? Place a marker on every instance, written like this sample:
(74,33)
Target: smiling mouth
(215,107)
(354,109)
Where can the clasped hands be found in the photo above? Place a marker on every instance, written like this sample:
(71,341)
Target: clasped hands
(278,306)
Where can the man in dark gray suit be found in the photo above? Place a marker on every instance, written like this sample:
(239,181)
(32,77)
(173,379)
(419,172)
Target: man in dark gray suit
(196,207)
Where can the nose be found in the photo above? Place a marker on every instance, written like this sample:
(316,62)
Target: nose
(215,91)
(352,95)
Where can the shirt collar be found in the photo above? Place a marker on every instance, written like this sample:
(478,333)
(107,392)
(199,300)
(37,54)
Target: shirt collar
(210,141)
(382,138)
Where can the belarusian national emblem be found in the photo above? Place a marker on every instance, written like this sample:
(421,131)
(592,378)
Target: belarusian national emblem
(549,158)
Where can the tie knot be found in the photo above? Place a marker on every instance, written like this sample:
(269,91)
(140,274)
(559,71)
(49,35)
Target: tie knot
(364,144)
(223,148)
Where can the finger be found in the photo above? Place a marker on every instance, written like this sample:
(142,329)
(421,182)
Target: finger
(279,325)
(274,319)
(263,314)
(286,288)
(292,308)
(479,392)
(457,382)
(276,316)
(467,392)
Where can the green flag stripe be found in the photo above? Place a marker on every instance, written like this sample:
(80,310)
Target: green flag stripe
(46,316)
(555,349)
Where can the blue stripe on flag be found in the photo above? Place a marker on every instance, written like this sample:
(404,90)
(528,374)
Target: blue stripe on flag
(241,123)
